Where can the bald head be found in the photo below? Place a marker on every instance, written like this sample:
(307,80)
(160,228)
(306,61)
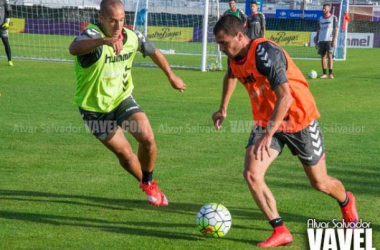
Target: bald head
(106,5)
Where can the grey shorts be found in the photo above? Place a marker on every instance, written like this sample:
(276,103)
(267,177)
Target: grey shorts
(102,124)
(307,144)
(325,47)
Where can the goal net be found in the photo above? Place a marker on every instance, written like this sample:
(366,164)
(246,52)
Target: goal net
(44,29)
(182,30)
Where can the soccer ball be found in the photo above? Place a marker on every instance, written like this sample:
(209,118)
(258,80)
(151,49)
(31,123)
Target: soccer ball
(312,74)
(306,45)
(214,220)
(211,67)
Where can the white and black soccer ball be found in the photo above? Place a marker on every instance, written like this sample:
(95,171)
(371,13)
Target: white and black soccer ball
(214,220)
(312,74)
(211,67)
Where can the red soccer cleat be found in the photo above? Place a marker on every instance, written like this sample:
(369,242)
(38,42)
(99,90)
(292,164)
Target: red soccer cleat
(155,196)
(280,236)
(349,212)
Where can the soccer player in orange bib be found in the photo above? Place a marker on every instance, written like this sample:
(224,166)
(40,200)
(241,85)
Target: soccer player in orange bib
(284,113)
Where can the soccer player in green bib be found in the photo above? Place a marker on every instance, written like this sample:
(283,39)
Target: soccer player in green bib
(104,56)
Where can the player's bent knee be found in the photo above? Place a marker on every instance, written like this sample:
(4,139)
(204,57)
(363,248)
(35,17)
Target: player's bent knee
(148,142)
(252,179)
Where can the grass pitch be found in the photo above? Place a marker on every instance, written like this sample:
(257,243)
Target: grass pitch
(61,189)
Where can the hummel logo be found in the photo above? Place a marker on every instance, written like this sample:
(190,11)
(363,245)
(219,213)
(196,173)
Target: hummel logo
(131,108)
(309,158)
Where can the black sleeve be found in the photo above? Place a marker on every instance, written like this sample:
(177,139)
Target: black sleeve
(271,62)
(7,9)
(262,21)
(335,22)
(229,71)
(146,47)
(243,16)
(89,59)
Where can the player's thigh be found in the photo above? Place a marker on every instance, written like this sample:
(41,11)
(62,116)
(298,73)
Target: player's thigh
(322,48)
(316,173)
(139,127)
(255,166)
(329,48)
(101,125)
(117,143)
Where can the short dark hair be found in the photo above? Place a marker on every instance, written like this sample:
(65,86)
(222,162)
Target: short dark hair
(230,24)
(253,2)
(326,4)
(105,5)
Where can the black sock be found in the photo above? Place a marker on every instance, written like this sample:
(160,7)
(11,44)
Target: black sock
(330,71)
(276,222)
(147,177)
(345,202)
(324,71)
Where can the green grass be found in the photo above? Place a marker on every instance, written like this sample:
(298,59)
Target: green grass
(61,189)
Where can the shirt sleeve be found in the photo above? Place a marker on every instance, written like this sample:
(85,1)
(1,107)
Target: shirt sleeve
(8,9)
(271,62)
(262,21)
(88,59)
(318,25)
(243,16)
(335,22)
(229,71)
(146,47)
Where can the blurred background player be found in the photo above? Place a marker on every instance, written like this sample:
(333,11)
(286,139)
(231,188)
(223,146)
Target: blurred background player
(243,18)
(256,22)
(327,31)
(5,9)
(284,113)
(104,57)
(233,10)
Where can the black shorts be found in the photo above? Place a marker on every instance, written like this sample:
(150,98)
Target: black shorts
(307,144)
(102,124)
(325,47)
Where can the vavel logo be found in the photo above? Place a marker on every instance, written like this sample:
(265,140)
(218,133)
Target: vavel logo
(339,235)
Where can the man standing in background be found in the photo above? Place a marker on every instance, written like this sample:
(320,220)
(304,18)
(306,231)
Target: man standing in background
(233,10)
(5,10)
(327,32)
(256,22)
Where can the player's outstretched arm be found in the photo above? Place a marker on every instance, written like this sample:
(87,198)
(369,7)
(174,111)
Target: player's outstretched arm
(159,59)
(83,47)
(229,85)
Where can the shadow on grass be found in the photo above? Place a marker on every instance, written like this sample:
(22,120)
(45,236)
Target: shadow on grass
(125,227)
(162,229)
